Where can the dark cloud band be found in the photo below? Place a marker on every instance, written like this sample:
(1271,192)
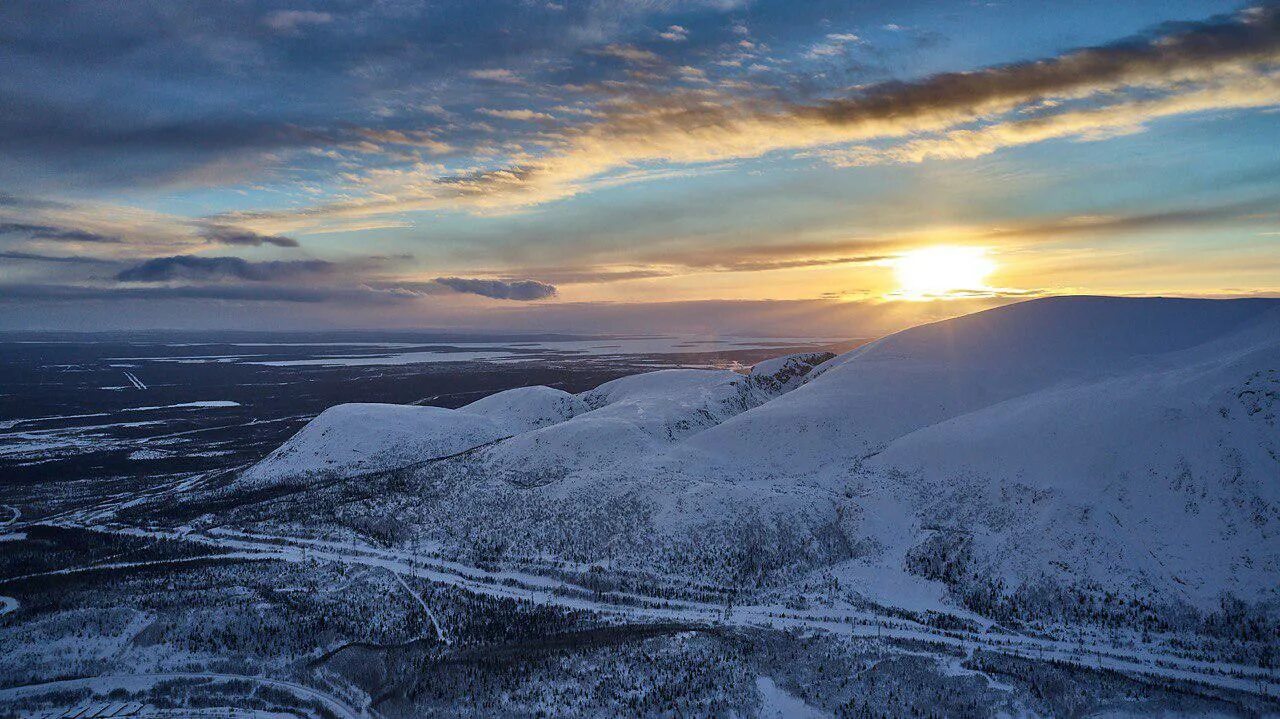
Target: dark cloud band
(51,232)
(193,268)
(520,290)
(227,235)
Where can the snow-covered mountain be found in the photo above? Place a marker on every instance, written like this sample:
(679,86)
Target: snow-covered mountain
(362,437)
(621,419)
(1085,446)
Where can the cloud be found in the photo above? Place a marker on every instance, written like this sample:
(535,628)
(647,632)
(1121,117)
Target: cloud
(497,74)
(413,138)
(292,20)
(677,265)
(44,139)
(674,33)
(1087,124)
(521,290)
(9,200)
(58,259)
(36,124)
(192,271)
(1254,210)
(834,44)
(117,232)
(246,293)
(99,308)
(593,275)
(747,265)
(191,267)
(51,232)
(524,115)
(208,95)
(628,53)
(226,235)
(881,248)
(1186,67)
(781,318)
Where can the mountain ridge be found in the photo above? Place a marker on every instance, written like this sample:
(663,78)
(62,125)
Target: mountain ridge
(958,454)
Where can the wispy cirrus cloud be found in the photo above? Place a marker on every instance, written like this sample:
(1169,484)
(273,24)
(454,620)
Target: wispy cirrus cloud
(264,293)
(226,235)
(1223,63)
(54,233)
(117,232)
(1262,211)
(517,114)
(880,249)
(497,74)
(417,128)
(288,21)
(628,53)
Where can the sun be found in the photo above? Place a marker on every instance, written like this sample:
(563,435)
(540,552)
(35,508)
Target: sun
(941,271)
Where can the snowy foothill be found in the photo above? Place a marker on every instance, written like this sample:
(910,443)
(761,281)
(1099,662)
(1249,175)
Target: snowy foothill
(525,409)
(665,405)
(353,438)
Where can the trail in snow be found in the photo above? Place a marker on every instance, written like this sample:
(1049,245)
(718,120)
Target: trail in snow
(1150,663)
(776,703)
(435,621)
(133,379)
(290,418)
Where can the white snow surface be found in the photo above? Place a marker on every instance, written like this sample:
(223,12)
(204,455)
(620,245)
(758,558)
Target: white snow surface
(585,444)
(776,703)
(1130,443)
(354,438)
(675,403)
(528,408)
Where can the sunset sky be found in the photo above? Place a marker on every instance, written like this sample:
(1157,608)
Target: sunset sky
(817,168)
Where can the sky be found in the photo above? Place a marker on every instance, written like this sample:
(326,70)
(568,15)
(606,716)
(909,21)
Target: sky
(815,168)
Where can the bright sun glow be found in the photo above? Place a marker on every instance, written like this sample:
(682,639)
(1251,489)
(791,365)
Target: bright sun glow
(933,272)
